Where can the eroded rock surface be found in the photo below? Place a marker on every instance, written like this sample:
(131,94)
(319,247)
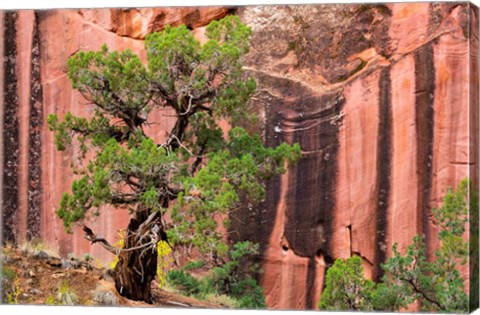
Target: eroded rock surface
(372,93)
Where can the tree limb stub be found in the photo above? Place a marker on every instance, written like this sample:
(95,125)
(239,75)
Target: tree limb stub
(93,238)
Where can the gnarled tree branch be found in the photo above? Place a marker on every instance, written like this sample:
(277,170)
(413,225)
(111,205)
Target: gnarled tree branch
(93,238)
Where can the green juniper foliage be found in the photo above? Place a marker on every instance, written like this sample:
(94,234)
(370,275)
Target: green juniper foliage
(186,283)
(346,287)
(231,278)
(195,175)
(435,284)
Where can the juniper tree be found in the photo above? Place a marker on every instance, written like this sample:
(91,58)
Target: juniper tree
(196,175)
(346,287)
(435,284)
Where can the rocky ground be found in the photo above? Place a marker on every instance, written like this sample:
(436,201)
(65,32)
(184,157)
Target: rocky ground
(32,275)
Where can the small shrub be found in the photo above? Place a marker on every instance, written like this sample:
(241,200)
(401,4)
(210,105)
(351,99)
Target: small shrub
(14,293)
(195,264)
(346,287)
(10,284)
(66,296)
(184,282)
(232,279)
(8,274)
(87,257)
(249,294)
(37,249)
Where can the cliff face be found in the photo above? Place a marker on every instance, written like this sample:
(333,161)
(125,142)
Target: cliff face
(381,99)
(36,46)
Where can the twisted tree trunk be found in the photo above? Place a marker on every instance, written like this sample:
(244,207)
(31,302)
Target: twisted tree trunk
(137,261)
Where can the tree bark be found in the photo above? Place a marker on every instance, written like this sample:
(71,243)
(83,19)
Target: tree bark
(137,261)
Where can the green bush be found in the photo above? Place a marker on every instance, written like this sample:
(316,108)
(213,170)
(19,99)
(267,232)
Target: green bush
(65,295)
(8,274)
(233,278)
(184,282)
(436,285)
(195,264)
(8,281)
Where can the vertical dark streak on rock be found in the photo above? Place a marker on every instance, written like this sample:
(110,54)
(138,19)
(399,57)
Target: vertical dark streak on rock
(269,207)
(312,120)
(424,124)
(384,143)
(311,274)
(35,141)
(311,202)
(255,222)
(10,134)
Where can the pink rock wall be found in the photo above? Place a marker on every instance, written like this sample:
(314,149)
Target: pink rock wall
(381,108)
(43,41)
(381,99)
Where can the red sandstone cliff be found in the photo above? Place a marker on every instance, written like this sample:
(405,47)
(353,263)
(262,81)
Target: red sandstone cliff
(381,99)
